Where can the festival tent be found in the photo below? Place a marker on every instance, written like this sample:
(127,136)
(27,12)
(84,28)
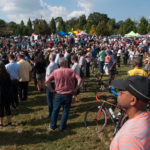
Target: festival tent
(147,35)
(132,34)
(34,36)
(61,33)
(82,33)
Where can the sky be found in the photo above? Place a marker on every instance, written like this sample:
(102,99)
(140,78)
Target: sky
(17,10)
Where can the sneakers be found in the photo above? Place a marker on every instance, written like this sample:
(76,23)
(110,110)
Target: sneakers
(51,130)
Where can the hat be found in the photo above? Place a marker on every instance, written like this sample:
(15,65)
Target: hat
(139,86)
(88,49)
(109,52)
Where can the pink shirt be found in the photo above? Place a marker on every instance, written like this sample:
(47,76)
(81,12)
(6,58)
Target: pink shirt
(107,59)
(134,135)
(64,80)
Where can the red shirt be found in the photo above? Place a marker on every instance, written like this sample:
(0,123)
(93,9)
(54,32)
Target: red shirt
(64,80)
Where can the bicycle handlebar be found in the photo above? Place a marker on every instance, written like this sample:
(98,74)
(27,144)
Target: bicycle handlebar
(111,90)
(99,95)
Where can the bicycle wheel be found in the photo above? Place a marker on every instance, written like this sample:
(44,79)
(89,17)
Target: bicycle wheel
(123,120)
(95,119)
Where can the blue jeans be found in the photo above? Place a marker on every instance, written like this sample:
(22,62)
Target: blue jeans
(49,98)
(101,66)
(60,100)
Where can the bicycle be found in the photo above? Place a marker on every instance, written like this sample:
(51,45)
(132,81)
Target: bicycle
(98,114)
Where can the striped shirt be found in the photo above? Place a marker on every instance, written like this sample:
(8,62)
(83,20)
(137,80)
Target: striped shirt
(134,135)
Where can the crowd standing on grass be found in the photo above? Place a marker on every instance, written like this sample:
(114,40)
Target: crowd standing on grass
(60,64)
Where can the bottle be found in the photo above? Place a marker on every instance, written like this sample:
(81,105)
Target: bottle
(112,113)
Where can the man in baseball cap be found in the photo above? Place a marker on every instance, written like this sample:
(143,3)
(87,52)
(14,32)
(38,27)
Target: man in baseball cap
(134,96)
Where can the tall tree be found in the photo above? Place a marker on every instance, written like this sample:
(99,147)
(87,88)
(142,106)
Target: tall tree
(43,27)
(129,26)
(92,30)
(96,17)
(61,25)
(143,25)
(29,27)
(72,24)
(22,28)
(88,26)
(148,28)
(36,26)
(52,26)
(102,28)
(22,23)
(12,25)
(2,23)
(111,26)
(82,22)
(121,30)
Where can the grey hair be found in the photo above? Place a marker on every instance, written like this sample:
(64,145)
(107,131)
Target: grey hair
(63,62)
(52,56)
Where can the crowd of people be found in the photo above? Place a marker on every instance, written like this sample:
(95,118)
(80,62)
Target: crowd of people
(59,65)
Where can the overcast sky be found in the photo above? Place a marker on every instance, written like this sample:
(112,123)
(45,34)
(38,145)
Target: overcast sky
(17,10)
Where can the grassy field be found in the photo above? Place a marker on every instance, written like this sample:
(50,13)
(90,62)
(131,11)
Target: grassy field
(30,127)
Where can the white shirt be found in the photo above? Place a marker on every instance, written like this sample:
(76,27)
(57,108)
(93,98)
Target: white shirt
(76,68)
(119,52)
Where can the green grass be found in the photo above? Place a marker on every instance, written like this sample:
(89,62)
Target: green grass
(30,127)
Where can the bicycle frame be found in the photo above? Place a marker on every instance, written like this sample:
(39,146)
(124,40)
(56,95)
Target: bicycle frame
(116,123)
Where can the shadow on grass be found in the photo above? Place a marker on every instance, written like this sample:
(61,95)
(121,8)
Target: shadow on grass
(25,107)
(37,122)
(24,110)
(31,137)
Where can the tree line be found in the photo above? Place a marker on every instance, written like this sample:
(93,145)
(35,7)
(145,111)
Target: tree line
(95,24)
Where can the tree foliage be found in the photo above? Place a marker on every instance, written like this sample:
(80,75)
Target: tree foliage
(102,28)
(82,22)
(96,23)
(111,26)
(2,23)
(143,26)
(92,30)
(29,27)
(72,24)
(129,26)
(61,25)
(52,26)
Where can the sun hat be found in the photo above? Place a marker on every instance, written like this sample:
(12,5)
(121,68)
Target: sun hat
(139,86)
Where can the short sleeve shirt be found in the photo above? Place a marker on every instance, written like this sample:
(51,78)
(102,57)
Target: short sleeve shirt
(24,70)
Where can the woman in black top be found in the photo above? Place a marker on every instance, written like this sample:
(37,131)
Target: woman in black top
(5,92)
(40,69)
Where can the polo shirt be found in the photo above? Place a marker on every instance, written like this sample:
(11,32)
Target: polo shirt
(138,72)
(64,79)
(24,70)
(13,69)
(102,55)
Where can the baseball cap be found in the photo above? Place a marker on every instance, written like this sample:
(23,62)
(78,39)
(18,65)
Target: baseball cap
(139,86)
(109,52)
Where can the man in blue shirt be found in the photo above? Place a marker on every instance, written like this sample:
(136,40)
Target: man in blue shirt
(49,95)
(111,66)
(13,69)
(94,60)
